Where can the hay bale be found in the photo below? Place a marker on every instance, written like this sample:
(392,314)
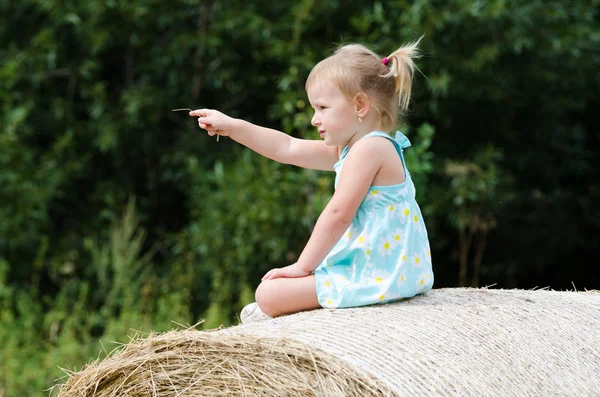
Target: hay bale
(447,342)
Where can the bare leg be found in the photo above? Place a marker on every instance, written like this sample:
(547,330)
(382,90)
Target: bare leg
(287,295)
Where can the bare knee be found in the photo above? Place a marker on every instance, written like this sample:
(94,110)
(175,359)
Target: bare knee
(267,297)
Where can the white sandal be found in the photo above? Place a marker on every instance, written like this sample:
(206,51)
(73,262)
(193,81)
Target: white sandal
(251,313)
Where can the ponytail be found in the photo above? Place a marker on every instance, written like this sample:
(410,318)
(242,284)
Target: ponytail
(402,67)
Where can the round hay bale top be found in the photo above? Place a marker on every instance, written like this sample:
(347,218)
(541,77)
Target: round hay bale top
(447,342)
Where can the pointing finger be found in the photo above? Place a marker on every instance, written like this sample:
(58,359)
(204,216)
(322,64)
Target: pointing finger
(199,112)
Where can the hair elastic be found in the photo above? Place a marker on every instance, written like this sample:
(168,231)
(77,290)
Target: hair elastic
(385,61)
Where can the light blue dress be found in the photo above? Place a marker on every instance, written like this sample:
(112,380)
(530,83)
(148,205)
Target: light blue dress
(384,255)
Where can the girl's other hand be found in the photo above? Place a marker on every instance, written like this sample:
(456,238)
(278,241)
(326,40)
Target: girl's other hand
(291,271)
(213,121)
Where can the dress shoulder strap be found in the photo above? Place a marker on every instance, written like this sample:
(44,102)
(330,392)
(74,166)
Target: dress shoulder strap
(344,152)
(400,141)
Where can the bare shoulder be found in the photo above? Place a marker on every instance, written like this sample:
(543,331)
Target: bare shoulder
(372,146)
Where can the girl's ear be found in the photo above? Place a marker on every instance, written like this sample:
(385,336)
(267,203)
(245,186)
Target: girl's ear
(361,104)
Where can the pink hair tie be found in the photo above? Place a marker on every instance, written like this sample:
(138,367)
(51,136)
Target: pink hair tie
(385,61)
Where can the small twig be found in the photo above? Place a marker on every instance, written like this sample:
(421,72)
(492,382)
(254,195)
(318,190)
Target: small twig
(178,110)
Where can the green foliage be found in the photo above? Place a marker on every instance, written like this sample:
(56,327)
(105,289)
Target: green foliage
(420,159)
(42,334)
(120,267)
(478,190)
(509,186)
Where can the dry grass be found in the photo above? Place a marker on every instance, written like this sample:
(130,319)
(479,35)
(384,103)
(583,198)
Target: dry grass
(195,363)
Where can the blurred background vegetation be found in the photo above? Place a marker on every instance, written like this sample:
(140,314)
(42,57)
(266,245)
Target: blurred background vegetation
(117,215)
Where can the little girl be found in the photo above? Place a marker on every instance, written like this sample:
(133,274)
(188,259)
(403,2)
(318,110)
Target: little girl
(369,244)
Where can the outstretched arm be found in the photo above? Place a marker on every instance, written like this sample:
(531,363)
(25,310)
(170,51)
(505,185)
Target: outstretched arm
(360,167)
(268,142)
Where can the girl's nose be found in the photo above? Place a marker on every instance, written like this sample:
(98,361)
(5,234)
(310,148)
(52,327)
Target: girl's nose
(314,121)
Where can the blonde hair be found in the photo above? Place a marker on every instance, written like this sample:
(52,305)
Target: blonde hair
(356,69)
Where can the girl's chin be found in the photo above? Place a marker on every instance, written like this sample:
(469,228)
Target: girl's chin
(327,139)
(330,142)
